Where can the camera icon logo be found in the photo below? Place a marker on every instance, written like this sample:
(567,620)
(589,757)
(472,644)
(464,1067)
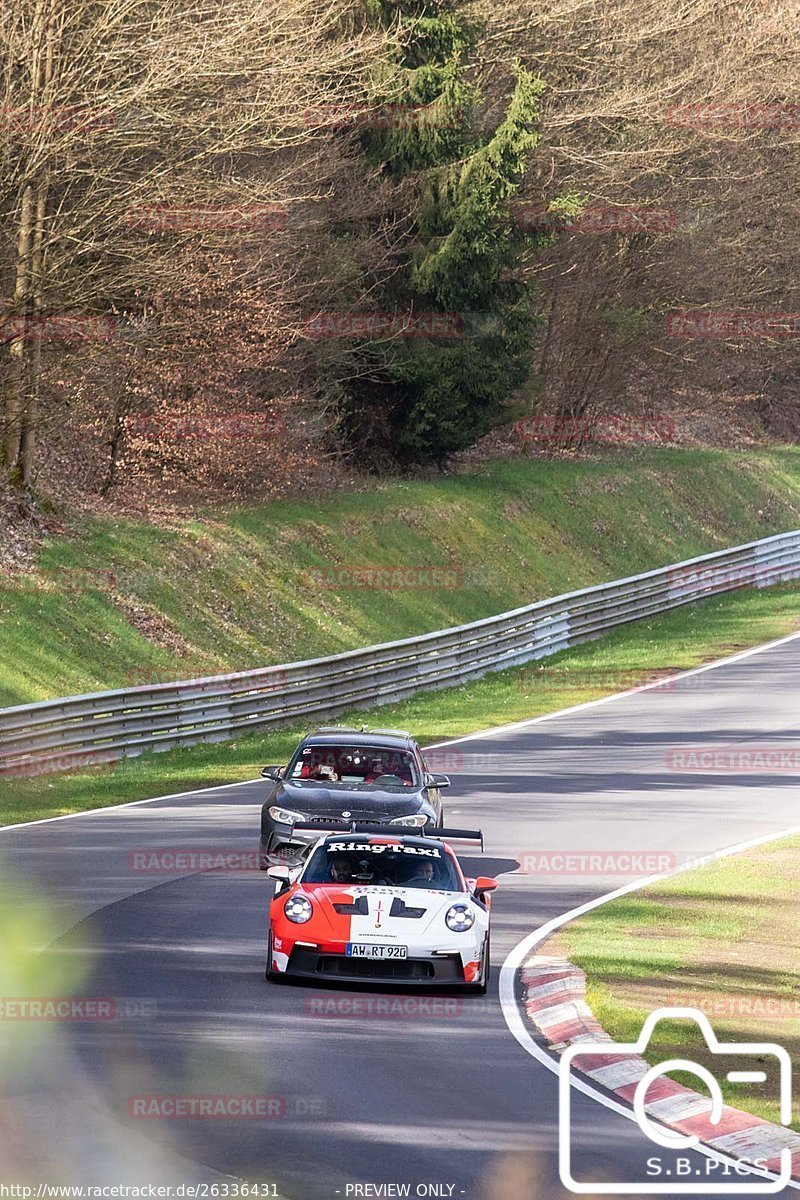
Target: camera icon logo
(637,1071)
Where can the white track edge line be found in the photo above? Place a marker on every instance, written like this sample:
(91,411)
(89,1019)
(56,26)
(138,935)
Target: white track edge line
(90,812)
(645,687)
(515,959)
(467,737)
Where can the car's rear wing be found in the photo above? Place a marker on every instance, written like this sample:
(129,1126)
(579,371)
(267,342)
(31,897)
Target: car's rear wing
(459,837)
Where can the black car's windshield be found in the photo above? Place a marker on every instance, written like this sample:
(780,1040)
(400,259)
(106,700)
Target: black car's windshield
(354,765)
(380,863)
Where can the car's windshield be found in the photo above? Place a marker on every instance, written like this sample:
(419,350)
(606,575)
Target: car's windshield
(381,863)
(367,765)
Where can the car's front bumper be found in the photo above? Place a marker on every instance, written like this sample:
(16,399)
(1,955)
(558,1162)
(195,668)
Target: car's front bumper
(280,844)
(425,966)
(320,965)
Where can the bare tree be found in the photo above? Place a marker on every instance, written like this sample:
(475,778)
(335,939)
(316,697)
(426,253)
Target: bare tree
(143,137)
(687,108)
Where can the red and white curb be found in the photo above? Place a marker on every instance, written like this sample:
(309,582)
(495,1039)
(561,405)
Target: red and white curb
(555,1002)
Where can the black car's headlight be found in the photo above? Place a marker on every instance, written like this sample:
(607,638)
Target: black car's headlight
(459,918)
(285,816)
(416,820)
(298,909)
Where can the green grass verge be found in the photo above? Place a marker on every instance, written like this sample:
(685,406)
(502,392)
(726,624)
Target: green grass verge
(721,938)
(625,658)
(232,590)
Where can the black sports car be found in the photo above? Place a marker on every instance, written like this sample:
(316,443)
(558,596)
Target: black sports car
(338,774)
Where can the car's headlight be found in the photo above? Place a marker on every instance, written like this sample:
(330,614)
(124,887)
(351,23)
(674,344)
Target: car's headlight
(414,819)
(459,918)
(285,816)
(298,909)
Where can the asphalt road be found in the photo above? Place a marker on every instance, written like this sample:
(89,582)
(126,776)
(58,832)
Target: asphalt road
(438,1094)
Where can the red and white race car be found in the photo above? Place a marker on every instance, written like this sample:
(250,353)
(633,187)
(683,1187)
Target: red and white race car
(396,908)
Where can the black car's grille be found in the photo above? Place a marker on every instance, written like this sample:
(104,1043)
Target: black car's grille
(333,821)
(373,816)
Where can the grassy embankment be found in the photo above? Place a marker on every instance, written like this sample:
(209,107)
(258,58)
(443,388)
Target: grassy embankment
(720,938)
(239,589)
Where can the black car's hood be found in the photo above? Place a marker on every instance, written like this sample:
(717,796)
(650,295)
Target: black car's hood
(359,802)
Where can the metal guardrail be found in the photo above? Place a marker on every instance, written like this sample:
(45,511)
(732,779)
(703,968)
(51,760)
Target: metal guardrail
(105,726)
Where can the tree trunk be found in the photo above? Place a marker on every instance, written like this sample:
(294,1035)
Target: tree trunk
(118,413)
(20,311)
(27,393)
(30,414)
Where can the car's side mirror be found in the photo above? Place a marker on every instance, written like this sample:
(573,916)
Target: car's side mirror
(283,877)
(483,884)
(273,773)
(437,781)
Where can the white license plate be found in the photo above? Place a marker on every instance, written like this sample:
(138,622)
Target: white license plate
(365,950)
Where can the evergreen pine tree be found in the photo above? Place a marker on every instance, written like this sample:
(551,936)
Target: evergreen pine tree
(418,399)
